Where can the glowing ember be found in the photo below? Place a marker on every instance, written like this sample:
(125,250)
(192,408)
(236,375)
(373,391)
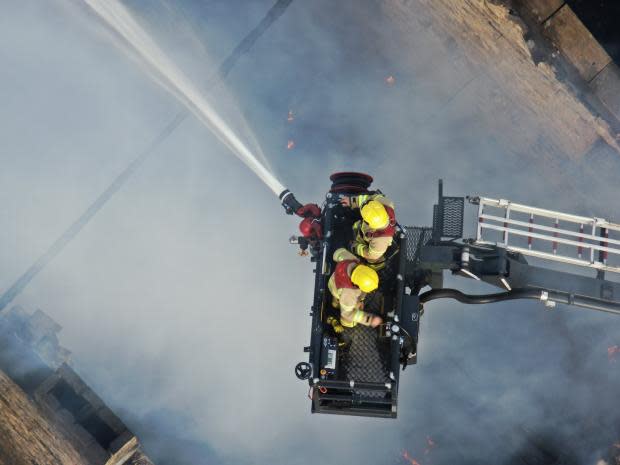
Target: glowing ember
(290,145)
(290,116)
(612,352)
(409,458)
(390,80)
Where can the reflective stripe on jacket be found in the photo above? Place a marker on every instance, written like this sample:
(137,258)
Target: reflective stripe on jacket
(372,244)
(372,250)
(358,201)
(350,298)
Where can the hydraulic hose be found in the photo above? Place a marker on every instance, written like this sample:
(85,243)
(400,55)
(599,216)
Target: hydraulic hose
(480,299)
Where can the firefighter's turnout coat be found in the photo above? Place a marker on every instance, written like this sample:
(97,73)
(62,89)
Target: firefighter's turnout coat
(347,295)
(372,244)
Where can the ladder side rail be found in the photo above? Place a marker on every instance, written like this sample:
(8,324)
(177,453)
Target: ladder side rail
(520,232)
(541,227)
(502,203)
(602,223)
(563,259)
(557,258)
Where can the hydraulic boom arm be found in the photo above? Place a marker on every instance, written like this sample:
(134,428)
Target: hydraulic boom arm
(506,234)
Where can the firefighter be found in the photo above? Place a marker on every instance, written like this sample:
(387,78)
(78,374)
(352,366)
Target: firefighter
(349,284)
(374,233)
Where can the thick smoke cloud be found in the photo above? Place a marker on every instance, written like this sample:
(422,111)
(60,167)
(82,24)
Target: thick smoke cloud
(184,306)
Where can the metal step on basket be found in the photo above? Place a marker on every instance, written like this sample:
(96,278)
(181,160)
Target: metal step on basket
(551,235)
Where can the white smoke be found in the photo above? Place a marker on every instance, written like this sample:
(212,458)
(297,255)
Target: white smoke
(165,72)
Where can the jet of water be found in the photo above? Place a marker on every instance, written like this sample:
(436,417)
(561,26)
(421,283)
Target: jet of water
(166,73)
(18,286)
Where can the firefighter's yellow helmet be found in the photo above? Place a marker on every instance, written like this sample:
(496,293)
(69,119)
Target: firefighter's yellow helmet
(375,215)
(365,278)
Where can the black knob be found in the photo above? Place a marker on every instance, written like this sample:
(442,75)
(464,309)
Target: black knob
(303,370)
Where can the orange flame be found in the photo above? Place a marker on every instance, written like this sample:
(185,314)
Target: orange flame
(290,145)
(409,458)
(390,80)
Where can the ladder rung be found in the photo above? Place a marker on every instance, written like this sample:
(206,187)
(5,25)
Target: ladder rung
(597,240)
(541,227)
(557,258)
(599,222)
(560,240)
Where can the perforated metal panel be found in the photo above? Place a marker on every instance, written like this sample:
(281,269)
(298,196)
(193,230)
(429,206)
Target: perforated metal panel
(416,238)
(453,209)
(366,359)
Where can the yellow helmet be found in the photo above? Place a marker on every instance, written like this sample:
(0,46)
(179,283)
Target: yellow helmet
(375,215)
(365,278)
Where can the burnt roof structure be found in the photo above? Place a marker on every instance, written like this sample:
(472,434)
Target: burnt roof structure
(49,414)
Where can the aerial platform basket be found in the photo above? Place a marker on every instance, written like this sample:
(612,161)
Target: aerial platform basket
(526,252)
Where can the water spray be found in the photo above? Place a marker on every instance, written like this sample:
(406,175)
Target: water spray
(165,72)
(18,286)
